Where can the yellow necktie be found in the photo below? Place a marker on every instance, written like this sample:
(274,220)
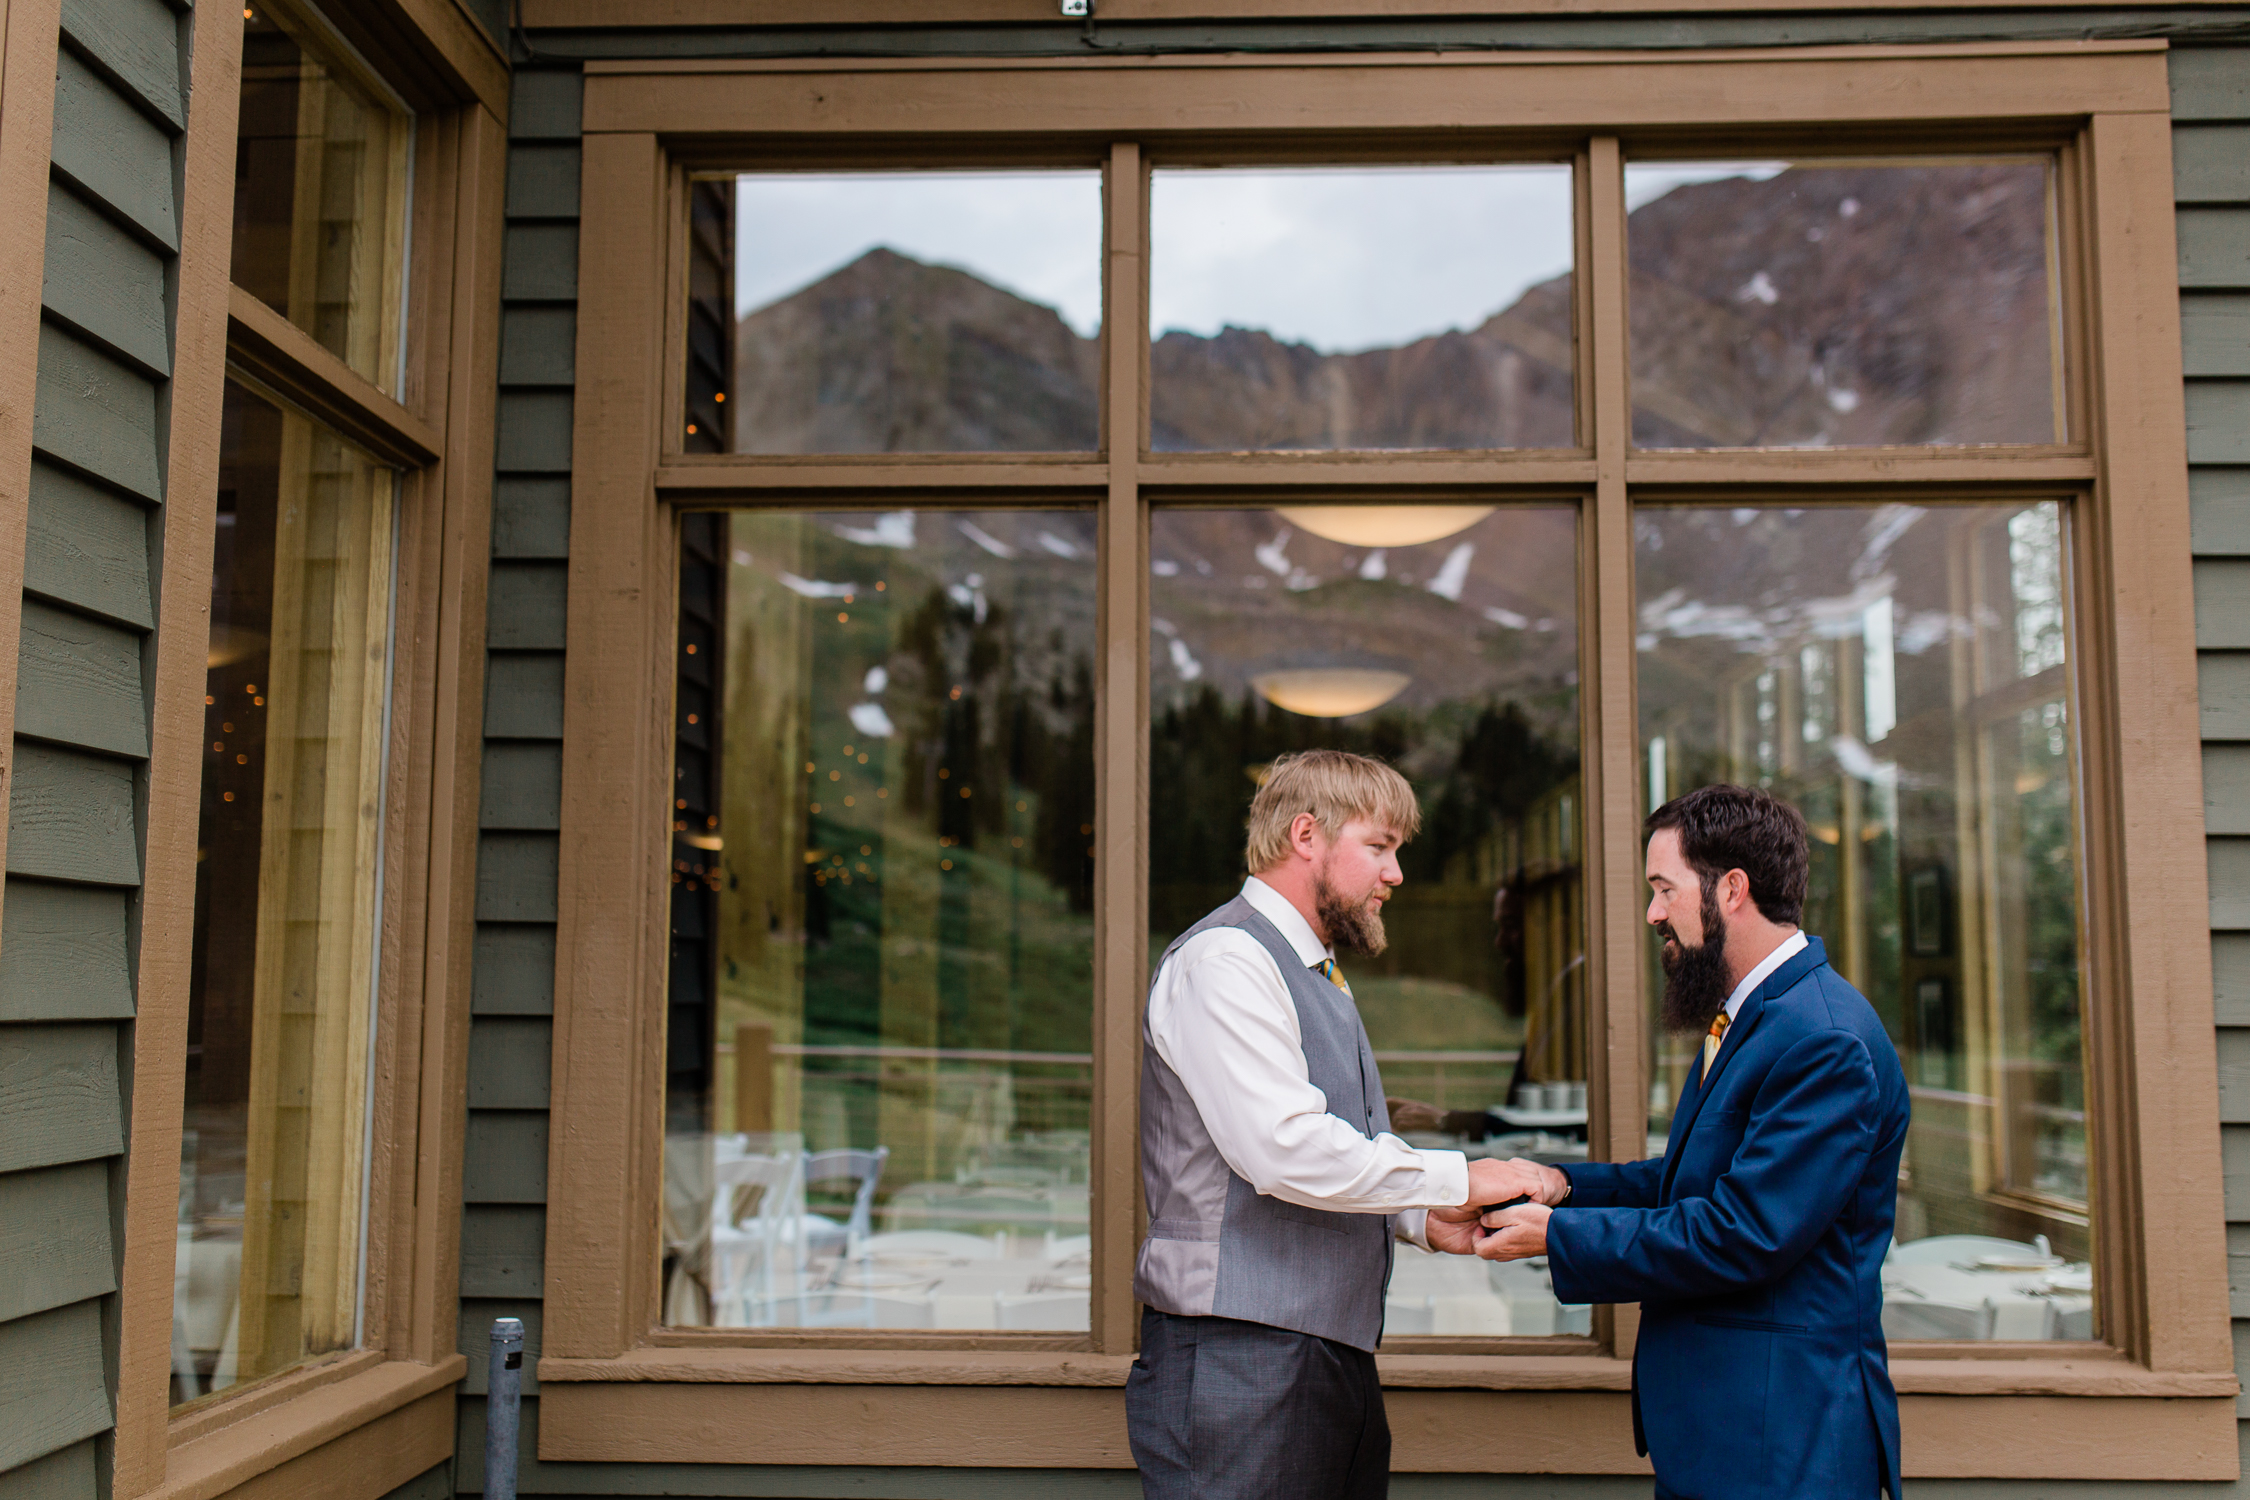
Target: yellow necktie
(1334,975)
(1711,1042)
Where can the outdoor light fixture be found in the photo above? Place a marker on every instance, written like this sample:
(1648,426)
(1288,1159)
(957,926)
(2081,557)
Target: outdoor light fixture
(1385,525)
(1075,9)
(1330,692)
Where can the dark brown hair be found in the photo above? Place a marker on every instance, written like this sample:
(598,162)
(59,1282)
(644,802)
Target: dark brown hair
(1724,828)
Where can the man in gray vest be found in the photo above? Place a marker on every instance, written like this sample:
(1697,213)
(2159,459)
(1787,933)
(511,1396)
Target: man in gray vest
(1274,1185)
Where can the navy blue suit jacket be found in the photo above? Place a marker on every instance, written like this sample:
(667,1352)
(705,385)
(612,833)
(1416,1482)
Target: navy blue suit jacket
(1755,1247)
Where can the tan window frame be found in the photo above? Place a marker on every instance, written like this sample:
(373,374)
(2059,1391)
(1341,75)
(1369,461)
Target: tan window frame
(617,1386)
(437,431)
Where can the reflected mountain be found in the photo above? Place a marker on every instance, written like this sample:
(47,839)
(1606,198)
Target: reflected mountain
(1823,305)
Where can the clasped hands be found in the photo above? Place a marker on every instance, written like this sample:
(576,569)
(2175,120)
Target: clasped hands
(1504,1234)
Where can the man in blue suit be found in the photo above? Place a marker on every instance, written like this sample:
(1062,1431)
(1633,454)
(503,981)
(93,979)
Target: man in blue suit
(1755,1244)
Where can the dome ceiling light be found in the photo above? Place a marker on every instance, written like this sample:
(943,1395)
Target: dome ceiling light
(1330,692)
(1385,525)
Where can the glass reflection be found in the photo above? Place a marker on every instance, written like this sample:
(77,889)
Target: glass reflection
(879,1054)
(901,312)
(1381,307)
(273,1154)
(1443,639)
(1812,305)
(1902,675)
(320,190)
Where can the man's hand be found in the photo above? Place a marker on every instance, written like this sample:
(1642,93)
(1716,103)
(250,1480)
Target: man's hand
(1493,1182)
(1451,1236)
(1514,1233)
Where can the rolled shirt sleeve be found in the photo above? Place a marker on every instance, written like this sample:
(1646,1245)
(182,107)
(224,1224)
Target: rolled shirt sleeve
(1221,1017)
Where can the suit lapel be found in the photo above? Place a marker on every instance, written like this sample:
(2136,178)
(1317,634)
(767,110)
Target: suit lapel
(1779,982)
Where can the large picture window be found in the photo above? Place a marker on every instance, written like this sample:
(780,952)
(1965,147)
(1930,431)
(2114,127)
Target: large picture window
(1419,408)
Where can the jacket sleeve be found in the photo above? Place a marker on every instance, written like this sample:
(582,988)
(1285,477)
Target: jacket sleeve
(1810,1132)
(1614,1184)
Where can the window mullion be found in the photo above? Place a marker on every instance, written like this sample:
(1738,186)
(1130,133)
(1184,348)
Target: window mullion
(1612,797)
(1121,761)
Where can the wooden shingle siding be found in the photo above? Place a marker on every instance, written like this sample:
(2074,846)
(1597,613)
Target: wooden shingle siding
(96,415)
(136,44)
(71,817)
(66,1474)
(504,1171)
(78,681)
(108,147)
(64,953)
(88,548)
(105,284)
(54,1238)
(81,729)
(59,1099)
(52,1389)
(2211,176)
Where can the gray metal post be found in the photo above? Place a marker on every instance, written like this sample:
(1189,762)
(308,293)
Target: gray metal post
(503,1405)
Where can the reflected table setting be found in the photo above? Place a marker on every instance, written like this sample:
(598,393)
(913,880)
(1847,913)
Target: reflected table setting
(1966,1286)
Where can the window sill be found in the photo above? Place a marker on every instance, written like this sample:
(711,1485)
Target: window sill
(2011,1417)
(2094,1373)
(220,1457)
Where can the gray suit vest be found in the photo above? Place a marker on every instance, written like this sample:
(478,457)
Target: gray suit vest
(1216,1246)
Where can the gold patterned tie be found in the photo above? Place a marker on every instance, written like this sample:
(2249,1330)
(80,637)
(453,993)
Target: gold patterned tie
(1711,1042)
(1334,975)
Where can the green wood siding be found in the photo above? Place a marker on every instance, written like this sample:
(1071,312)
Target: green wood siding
(66,1474)
(82,732)
(504,1173)
(2211,177)
(54,1238)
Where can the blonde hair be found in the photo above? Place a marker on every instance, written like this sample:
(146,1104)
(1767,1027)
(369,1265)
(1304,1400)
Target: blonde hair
(1335,786)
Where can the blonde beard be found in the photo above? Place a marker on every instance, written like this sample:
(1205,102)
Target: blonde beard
(1352,928)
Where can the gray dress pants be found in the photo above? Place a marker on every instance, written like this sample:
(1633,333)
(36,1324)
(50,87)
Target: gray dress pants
(1219,1409)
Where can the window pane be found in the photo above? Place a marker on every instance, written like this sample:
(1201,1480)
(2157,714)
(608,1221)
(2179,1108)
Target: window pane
(280,1015)
(1385,307)
(880,1020)
(1816,305)
(1443,639)
(1902,675)
(898,312)
(319,190)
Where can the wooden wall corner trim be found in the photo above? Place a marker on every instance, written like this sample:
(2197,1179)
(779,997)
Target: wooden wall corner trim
(2170,1112)
(179,648)
(610,906)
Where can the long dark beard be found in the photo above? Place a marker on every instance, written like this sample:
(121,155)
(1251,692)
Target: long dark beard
(1695,979)
(1352,928)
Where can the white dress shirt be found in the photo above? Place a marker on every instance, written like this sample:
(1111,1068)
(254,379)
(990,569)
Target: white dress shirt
(1222,1019)
(1791,946)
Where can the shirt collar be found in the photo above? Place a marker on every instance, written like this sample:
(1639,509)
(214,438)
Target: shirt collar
(1277,909)
(1791,946)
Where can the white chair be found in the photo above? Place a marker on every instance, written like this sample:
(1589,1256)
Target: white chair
(862,1168)
(757,1211)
